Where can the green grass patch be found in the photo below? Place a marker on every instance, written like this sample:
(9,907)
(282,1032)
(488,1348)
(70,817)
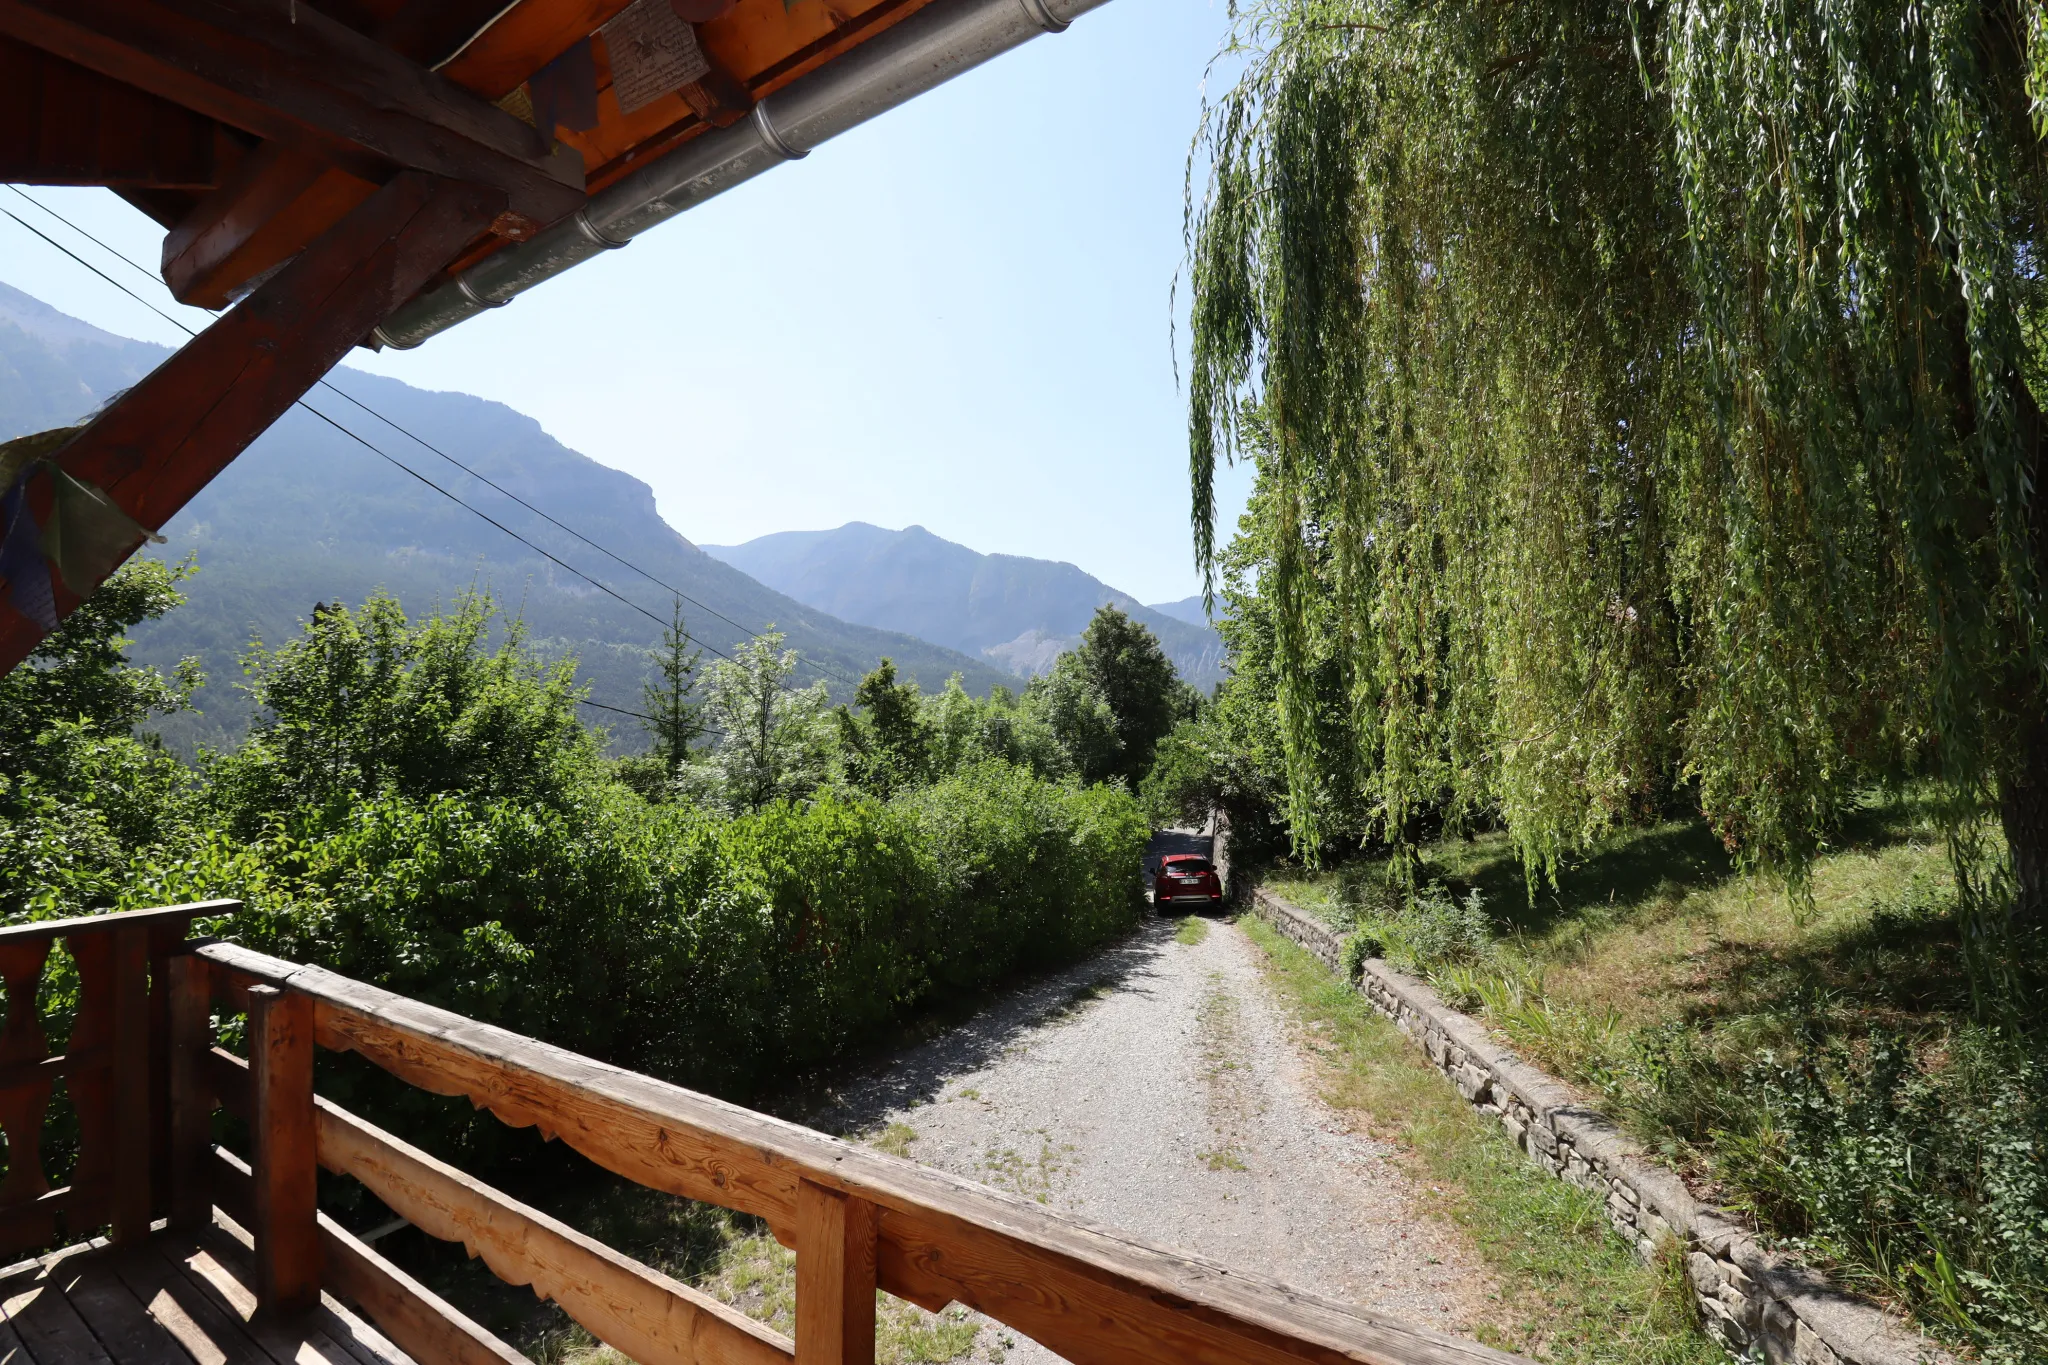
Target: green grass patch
(1821,1063)
(1576,1291)
(894,1139)
(1192,930)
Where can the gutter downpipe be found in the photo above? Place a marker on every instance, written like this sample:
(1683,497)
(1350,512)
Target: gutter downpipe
(924,51)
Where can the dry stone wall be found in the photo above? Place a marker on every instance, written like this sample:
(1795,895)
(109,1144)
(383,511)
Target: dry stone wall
(1761,1306)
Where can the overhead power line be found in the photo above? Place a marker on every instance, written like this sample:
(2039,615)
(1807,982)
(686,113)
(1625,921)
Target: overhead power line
(428,445)
(599,584)
(400,465)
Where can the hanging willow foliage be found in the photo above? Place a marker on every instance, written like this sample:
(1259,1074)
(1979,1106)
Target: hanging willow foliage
(1642,390)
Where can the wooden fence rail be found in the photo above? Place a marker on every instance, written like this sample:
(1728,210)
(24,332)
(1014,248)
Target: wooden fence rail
(115,1070)
(859,1220)
(145,1079)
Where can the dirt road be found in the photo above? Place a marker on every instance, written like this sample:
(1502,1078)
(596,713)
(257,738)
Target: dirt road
(1159,1089)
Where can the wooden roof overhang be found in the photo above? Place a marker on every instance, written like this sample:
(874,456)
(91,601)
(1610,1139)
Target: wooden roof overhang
(322,162)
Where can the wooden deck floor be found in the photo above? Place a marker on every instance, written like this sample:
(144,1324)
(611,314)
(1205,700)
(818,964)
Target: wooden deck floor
(173,1300)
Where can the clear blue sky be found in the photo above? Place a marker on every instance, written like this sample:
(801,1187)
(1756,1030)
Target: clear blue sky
(957,316)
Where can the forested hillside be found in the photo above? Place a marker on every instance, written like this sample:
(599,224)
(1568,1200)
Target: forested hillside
(1014,611)
(310,516)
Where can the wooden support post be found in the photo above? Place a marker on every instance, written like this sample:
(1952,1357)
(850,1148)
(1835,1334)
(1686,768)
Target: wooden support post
(836,1237)
(281,1123)
(191,1164)
(132,1157)
(159,443)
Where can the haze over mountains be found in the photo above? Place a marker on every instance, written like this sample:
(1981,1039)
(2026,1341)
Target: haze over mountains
(309,516)
(1011,610)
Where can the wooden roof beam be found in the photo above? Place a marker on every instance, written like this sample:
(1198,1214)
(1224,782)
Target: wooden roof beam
(290,73)
(165,439)
(61,124)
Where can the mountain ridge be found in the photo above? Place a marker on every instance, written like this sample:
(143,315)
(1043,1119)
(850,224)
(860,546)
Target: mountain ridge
(307,515)
(1013,609)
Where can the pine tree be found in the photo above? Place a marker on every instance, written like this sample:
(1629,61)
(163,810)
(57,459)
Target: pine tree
(675,723)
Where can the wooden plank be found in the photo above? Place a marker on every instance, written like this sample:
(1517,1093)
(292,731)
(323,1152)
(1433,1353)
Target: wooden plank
(423,1324)
(836,1236)
(282,1127)
(437,1198)
(1078,1289)
(280,198)
(117,1317)
(291,73)
(525,38)
(205,1331)
(653,1319)
(48,1325)
(65,928)
(61,124)
(25,1101)
(219,1261)
(192,1104)
(92,1092)
(168,436)
(165,940)
(129,1084)
(12,1352)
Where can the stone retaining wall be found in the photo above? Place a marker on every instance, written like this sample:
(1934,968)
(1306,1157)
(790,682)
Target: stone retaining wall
(1759,1305)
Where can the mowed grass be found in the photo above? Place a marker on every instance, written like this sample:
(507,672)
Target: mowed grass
(1192,930)
(1656,929)
(1576,1292)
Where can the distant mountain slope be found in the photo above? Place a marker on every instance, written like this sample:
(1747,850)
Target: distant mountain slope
(1188,609)
(1017,611)
(309,516)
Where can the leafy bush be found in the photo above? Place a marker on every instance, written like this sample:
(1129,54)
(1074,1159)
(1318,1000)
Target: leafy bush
(721,952)
(421,807)
(365,701)
(1427,932)
(1922,1171)
(1435,929)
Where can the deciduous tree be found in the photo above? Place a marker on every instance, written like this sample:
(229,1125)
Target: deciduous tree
(1642,389)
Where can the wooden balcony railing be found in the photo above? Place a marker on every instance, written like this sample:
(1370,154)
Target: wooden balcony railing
(114,1068)
(857,1220)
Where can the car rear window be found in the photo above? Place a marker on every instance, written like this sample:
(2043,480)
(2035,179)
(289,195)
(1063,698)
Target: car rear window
(1190,865)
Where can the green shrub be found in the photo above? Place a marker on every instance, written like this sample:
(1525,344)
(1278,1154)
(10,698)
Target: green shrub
(1435,929)
(725,953)
(1920,1170)
(1424,933)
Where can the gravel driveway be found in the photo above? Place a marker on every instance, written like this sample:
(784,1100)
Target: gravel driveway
(1159,1088)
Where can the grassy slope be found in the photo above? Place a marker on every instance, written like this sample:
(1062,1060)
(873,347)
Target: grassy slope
(1658,977)
(1657,929)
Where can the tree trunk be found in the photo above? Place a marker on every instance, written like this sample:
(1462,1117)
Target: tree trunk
(2023,786)
(2023,810)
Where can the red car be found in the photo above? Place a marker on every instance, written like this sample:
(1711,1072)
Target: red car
(1186,877)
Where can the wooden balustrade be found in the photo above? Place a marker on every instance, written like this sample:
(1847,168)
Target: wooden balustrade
(115,1069)
(144,1074)
(859,1220)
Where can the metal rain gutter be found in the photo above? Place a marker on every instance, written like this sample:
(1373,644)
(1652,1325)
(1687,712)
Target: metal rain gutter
(921,53)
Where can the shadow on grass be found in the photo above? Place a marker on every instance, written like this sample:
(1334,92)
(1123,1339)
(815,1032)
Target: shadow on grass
(1621,879)
(1897,969)
(1640,873)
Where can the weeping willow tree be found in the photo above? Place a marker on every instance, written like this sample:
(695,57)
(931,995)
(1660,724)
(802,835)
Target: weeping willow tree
(1641,391)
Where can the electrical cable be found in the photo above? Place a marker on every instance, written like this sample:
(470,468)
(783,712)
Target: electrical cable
(397,464)
(359,440)
(639,715)
(417,439)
